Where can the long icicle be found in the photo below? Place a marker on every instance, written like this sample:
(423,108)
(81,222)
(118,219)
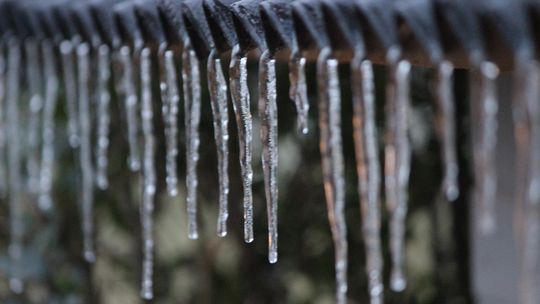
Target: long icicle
(48,129)
(484,112)
(85,155)
(15,251)
(298,90)
(170,100)
(241,104)
(269,138)
(104,119)
(332,163)
(217,87)
(35,83)
(149,175)
(130,106)
(446,127)
(70,89)
(527,128)
(397,165)
(368,170)
(192,103)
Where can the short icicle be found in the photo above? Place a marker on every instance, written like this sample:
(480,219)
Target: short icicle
(15,250)
(484,113)
(192,103)
(397,165)
(149,175)
(35,105)
(85,154)
(48,127)
(170,100)
(70,91)
(103,117)
(129,94)
(269,139)
(332,163)
(241,104)
(527,127)
(368,170)
(298,90)
(446,127)
(217,87)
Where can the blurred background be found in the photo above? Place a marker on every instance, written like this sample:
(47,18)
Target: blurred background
(227,270)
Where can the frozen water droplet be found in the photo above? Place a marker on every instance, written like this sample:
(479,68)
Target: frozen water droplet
(446,127)
(298,90)
(484,134)
(148,172)
(238,75)
(85,154)
(103,117)
(70,91)
(192,103)
(269,139)
(128,85)
(397,162)
(332,163)
(368,170)
(48,126)
(218,98)
(171,99)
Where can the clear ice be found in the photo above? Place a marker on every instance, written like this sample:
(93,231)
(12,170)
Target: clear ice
(103,117)
(397,165)
(238,74)
(48,128)
(149,175)
(192,103)
(484,116)
(446,129)
(368,170)
(298,90)
(85,153)
(217,87)
(269,139)
(332,163)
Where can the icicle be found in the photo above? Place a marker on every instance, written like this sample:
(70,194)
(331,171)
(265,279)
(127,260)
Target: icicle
(269,138)
(130,106)
(192,104)
(241,103)
(85,155)
(446,126)
(368,170)
(170,100)
(397,165)
(332,163)
(485,107)
(217,87)
(48,128)
(527,129)
(14,162)
(70,88)
(298,90)
(33,76)
(104,97)
(149,175)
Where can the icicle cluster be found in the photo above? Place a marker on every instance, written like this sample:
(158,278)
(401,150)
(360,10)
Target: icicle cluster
(86,72)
